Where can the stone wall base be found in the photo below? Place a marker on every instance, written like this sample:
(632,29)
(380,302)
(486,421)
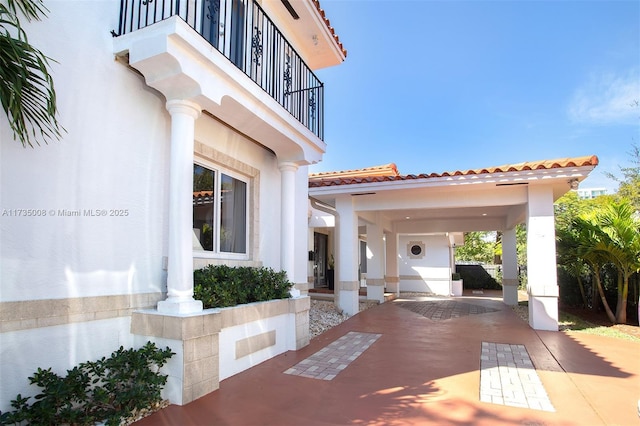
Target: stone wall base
(195,338)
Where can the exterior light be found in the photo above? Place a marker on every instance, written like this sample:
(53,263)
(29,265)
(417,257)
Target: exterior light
(573,183)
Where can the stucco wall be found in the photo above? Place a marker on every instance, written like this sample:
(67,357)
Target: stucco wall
(59,347)
(112,159)
(430,272)
(98,200)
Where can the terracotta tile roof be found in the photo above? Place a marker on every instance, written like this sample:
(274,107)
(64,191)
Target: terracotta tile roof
(384,170)
(201,194)
(389,172)
(328,23)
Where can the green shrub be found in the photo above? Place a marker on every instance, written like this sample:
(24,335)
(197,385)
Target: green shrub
(219,286)
(476,277)
(107,390)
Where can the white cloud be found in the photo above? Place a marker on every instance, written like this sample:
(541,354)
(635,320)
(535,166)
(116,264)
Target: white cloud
(607,99)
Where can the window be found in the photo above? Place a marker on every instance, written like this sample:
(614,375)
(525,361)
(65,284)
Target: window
(415,250)
(219,211)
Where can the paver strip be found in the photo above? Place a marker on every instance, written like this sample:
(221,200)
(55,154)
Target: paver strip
(508,377)
(335,357)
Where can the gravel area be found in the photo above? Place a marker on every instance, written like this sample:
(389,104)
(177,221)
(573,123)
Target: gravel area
(522,312)
(324,315)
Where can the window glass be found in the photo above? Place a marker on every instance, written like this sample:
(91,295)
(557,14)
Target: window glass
(203,202)
(219,212)
(233,215)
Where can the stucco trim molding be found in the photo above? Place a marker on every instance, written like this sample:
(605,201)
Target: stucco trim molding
(29,314)
(218,158)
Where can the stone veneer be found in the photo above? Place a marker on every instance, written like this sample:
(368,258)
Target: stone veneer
(29,314)
(198,335)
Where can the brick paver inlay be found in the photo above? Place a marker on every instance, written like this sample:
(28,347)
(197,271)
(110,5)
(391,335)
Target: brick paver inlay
(443,309)
(508,377)
(335,357)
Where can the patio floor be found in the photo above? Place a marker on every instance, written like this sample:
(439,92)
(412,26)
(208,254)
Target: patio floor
(444,361)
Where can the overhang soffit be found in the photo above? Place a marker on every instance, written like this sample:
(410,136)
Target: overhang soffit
(183,66)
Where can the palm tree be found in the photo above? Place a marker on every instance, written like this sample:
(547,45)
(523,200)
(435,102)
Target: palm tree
(569,257)
(622,227)
(611,234)
(27,92)
(588,238)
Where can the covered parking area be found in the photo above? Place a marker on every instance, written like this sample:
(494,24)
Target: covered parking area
(387,209)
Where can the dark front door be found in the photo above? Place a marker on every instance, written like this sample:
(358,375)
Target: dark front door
(320,260)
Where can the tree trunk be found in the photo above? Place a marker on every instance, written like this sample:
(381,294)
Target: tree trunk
(595,297)
(607,309)
(623,293)
(581,286)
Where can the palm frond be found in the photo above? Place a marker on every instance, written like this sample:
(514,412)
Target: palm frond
(27,92)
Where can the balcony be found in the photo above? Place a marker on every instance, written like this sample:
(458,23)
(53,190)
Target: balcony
(242,32)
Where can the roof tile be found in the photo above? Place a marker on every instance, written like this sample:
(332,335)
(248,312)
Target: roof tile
(331,29)
(389,172)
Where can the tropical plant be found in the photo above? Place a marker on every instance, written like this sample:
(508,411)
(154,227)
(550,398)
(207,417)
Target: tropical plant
(608,235)
(622,227)
(106,391)
(219,286)
(479,246)
(27,91)
(588,237)
(570,260)
(566,210)
(629,183)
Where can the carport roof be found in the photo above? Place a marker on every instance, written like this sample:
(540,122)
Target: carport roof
(389,172)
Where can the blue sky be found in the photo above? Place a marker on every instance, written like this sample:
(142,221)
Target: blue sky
(435,86)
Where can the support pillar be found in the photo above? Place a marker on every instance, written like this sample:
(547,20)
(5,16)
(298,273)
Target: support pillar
(287,217)
(347,284)
(542,278)
(180,251)
(376,264)
(509,268)
(392,274)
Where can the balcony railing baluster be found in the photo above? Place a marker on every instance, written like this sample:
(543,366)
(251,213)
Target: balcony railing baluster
(248,38)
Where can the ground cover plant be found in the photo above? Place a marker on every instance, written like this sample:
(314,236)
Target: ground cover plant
(219,286)
(582,320)
(104,391)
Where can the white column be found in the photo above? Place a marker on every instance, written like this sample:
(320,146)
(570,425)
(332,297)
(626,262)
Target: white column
(180,266)
(392,275)
(287,218)
(376,264)
(509,268)
(541,260)
(347,284)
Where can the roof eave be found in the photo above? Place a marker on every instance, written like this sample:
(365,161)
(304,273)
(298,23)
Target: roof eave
(497,179)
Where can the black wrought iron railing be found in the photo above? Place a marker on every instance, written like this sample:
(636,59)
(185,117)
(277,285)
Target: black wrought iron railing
(244,34)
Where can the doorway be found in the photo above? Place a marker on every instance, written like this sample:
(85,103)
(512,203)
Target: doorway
(320,243)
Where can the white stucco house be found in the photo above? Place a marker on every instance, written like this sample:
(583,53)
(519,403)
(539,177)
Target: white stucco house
(399,232)
(189,128)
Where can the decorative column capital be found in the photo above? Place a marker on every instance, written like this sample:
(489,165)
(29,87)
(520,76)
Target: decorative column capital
(288,166)
(184,107)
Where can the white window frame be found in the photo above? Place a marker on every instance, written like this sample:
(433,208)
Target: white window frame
(216,253)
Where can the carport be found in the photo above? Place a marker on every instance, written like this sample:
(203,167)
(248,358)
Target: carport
(384,205)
